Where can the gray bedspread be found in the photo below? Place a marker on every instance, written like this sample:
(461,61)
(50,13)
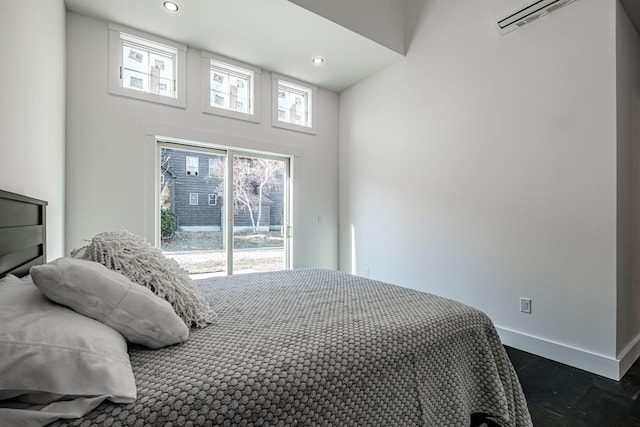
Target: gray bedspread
(319,347)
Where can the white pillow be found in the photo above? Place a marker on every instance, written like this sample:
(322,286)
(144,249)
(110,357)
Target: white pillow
(92,289)
(49,352)
(146,265)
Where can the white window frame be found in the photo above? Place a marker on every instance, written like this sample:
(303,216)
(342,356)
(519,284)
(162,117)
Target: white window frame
(227,208)
(226,65)
(116,34)
(289,83)
(188,168)
(193,197)
(214,197)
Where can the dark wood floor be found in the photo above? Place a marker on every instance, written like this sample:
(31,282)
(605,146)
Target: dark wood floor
(559,395)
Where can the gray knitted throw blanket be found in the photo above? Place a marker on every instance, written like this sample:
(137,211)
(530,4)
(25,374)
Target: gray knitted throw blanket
(145,265)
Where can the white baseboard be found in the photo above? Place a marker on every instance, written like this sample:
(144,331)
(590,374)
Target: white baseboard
(579,358)
(629,355)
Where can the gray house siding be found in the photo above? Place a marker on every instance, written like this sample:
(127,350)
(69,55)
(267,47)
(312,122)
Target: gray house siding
(204,216)
(277,209)
(182,186)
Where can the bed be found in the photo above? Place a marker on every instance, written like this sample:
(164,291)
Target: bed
(312,347)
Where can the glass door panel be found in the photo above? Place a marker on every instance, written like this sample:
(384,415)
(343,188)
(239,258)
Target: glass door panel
(260,219)
(192,208)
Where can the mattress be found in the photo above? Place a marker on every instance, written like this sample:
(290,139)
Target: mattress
(323,348)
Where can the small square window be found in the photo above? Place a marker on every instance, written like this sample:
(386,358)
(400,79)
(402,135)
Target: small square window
(213,199)
(293,104)
(193,166)
(230,88)
(193,199)
(146,67)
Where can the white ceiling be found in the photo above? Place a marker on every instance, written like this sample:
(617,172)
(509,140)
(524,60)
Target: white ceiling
(275,35)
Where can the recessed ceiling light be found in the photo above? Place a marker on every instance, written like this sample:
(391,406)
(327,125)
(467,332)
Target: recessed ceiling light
(318,60)
(170,6)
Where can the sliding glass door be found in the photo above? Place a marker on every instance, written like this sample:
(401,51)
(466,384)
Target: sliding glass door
(259,213)
(208,236)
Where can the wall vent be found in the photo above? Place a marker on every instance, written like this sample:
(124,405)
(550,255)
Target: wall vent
(510,14)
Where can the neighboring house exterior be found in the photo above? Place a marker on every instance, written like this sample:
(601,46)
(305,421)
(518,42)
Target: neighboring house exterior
(191,189)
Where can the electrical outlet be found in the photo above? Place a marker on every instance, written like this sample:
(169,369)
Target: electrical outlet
(525,305)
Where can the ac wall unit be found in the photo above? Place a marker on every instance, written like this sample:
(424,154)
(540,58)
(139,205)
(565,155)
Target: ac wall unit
(513,14)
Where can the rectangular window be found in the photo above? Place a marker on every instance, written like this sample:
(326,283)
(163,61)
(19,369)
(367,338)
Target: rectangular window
(232,88)
(192,166)
(213,199)
(293,104)
(146,67)
(212,167)
(193,199)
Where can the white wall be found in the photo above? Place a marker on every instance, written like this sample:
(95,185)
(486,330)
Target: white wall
(110,150)
(382,21)
(32,107)
(628,95)
(483,168)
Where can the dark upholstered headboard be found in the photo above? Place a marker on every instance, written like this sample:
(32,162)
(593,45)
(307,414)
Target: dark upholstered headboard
(23,237)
